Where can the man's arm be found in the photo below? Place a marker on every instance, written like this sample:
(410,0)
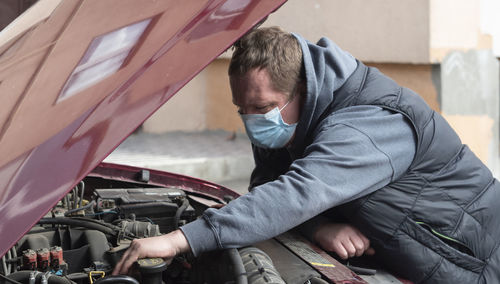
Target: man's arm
(354,153)
(330,175)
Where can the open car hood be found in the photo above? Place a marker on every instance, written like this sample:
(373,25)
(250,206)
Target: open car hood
(77,77)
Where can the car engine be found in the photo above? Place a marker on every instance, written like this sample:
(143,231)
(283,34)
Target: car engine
(84,235)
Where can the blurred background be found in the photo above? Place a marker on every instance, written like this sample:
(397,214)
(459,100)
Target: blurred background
(448,51)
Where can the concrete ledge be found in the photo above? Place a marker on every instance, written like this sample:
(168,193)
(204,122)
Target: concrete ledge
(216,156)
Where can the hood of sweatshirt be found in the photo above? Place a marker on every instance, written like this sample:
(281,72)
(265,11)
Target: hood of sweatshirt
(326,68)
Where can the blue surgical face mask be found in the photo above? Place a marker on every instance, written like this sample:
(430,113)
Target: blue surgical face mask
(268,130)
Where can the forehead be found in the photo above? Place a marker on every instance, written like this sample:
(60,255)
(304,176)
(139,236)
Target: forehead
(254,87)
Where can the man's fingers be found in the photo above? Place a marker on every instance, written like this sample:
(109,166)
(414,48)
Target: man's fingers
(128,258)
(343,239)
(359,245)
(339,249)
(349,247)
(127,264)
(119,265)
(365,240)
(370,251)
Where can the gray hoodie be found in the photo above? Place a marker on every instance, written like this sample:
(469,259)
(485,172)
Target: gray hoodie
(332,160)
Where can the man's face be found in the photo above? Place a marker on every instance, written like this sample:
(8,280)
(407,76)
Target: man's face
(253,94)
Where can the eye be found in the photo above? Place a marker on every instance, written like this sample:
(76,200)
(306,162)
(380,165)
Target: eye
(240,110)
(263,109)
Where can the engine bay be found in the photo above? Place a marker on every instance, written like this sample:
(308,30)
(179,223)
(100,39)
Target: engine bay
(84,235)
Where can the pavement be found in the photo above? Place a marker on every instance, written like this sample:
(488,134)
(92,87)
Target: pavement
(221,157)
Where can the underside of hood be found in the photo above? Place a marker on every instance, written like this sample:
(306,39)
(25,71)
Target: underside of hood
(77,77)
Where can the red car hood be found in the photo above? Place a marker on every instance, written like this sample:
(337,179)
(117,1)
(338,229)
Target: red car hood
(77,77)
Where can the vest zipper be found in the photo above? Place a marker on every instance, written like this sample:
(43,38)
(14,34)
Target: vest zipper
(462,247)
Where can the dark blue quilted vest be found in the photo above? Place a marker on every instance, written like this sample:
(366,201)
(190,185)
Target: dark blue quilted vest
(440,222)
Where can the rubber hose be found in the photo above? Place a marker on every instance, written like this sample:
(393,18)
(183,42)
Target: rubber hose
(78,223)
(111,226)
(178,213)
(5,278)
(239,269)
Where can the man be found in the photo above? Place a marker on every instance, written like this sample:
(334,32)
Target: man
(333,137)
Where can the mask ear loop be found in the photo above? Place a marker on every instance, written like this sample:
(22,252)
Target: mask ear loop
(284,106)
(294,95)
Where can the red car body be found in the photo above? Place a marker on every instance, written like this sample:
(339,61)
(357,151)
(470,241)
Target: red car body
(49,144)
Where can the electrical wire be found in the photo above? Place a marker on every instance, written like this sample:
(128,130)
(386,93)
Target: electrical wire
(69,212)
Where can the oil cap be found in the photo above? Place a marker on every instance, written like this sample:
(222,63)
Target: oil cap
(151,269)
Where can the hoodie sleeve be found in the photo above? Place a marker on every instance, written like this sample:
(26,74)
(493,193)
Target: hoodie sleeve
(347,160)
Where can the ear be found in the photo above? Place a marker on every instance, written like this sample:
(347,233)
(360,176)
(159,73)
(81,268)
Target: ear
(301,87)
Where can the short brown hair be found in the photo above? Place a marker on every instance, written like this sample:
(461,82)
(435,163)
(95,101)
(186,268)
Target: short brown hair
(275,50)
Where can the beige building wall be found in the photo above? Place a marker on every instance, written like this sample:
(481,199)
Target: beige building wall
(417,77)
(205,103)
(185,111)
(394,31)
(221,113)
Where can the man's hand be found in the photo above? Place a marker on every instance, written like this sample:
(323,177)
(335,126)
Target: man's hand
(343,239)
(165,246)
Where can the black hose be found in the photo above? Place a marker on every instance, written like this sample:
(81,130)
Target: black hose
(240,273)
(178,213)
(9,280)
(76,276)
(69,212)
(78,223)
(111,226)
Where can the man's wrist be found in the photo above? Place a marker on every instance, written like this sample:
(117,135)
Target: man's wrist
(309,228)
(180,242)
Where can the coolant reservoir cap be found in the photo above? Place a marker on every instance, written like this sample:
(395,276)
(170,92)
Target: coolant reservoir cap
(151,265)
